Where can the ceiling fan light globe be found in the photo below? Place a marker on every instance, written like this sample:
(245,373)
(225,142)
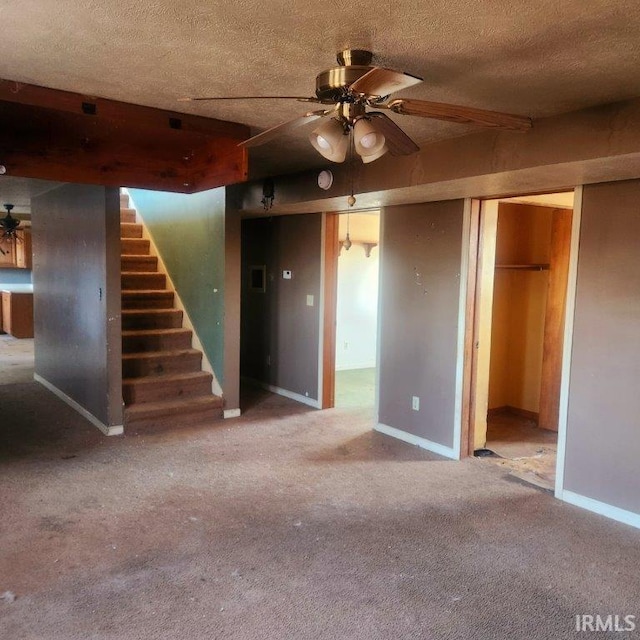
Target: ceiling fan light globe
(374,156)
(323,143)
(368,141)
(330,141)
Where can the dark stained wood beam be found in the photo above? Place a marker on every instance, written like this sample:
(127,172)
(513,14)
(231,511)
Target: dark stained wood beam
(64,136)
(207,157)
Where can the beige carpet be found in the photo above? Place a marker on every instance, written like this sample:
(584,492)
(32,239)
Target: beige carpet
(287,523)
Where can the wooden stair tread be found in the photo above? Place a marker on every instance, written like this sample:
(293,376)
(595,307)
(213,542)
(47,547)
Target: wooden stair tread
(169,353)
(124,272)
(134,312)
(154,332)
(168,377)
(146,292)
(133,256)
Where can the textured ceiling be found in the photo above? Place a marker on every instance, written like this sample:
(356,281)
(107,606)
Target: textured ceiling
(533,58)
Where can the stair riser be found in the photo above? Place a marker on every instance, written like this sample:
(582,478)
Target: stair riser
(135,394)
(161,300)
(185,419)
(143,281)
(139,263)
(142,343)
(156,366)
(168,320)
(127,215)
(130,231)
(134,247)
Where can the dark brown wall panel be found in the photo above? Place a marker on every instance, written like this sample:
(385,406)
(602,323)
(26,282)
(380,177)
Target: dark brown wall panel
(420,300)
(603,429)
(76,277)
(280,333)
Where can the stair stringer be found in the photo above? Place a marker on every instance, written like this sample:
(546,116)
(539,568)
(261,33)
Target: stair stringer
(216,389)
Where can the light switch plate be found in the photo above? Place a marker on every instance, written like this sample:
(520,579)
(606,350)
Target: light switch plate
(309,301)
(287,274)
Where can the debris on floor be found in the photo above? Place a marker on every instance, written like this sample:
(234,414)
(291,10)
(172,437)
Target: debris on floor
(8,597)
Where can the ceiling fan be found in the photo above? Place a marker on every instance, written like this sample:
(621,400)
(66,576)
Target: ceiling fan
(8,226)
(355,95)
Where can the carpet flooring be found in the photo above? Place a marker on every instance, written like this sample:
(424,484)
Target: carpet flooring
(286,523)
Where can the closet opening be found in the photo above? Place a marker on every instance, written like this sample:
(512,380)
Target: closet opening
(523,262)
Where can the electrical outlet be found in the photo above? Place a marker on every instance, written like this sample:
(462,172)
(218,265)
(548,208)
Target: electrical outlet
(415,403)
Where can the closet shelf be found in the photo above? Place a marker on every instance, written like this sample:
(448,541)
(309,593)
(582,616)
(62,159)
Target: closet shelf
(524,267)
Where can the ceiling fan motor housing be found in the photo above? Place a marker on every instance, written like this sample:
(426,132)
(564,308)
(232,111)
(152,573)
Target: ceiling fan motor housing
(332,84)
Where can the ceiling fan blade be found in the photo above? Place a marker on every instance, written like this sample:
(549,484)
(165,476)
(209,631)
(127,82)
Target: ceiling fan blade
(285,127)
(299,98)
(397,141)
(382,82)
(455,113)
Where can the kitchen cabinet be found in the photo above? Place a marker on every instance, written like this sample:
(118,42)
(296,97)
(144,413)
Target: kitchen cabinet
(7,254)
(17,314)
(16,254)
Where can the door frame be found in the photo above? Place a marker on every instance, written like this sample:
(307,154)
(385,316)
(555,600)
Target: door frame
(328,306)
(478,322)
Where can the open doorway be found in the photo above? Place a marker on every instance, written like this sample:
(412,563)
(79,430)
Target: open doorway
(16,291)
(357,309)
(520,311)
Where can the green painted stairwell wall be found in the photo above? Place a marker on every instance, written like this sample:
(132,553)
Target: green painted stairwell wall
(189,233)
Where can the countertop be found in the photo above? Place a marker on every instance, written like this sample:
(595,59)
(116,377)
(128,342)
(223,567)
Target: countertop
(17,288)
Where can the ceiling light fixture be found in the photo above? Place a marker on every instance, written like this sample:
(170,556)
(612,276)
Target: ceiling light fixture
(347,244)
(8,225)
(369,143)
(331,139)
(268,193)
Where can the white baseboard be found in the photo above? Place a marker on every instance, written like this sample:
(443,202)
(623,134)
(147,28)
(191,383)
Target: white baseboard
(284,392)
(423,443)
(115,430)
(231,413)
(293,396)
(601,508)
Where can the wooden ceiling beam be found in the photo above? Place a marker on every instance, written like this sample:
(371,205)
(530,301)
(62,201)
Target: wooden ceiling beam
(59,135)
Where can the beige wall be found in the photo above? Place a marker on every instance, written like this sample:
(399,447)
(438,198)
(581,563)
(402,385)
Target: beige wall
(603,426)
(419,316)
(76,281)
(280,332)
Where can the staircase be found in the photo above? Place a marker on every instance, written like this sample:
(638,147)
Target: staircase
(162,380)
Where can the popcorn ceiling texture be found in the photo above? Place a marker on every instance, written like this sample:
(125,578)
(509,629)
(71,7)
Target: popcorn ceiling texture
(537,59)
